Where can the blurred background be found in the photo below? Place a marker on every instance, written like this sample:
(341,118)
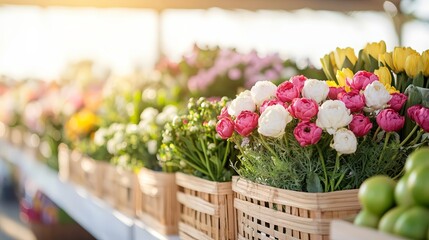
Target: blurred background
(39,40)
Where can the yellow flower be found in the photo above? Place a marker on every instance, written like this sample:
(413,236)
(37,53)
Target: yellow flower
(331,83)
(391,89)
(384,76)
(341,54)
(82,123)
(425,58)
(413,64)
(374,49)
(385,59)
(399,56)
(342,77)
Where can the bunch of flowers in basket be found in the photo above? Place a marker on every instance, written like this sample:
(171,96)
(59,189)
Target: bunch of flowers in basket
(133,146)
(190,143)
(303,136)
(403,70)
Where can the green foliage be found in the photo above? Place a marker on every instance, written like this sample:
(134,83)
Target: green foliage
(191,144)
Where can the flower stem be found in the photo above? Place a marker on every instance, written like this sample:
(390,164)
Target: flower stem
(267,146)
(419,135)
(336,168)
(409,135)
(322,161)
(376,133)
(384,146)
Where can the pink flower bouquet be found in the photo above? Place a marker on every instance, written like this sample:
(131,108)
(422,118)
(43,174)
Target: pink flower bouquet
(307,136)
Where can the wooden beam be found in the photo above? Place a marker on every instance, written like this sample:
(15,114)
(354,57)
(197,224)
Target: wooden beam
(252,5)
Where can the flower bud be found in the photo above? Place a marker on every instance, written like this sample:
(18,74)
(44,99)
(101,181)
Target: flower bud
(413,65)
(225,128)
(341,54)
(273,121)
(390,121)
(246,122)
(360,125)
(425,59)
(307,133)
(345,141)
(374,49)
(384,76)
(303,108)
(399,57)
(386,60)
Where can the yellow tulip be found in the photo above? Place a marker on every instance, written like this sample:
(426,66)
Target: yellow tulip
(386,60)
(341,54)
(374,49)
(425,58)
(331,83)
(399,56)
(342,78)
(332,58)
(384,76)
(391,89)
(413,64)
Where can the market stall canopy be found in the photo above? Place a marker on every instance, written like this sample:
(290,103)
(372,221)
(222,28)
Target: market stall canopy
(333,5)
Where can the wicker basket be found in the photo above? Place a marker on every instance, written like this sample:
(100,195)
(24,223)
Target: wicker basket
(156,200)
(69,162)
(125,185)
(206,210)
(264,212)
(108,191)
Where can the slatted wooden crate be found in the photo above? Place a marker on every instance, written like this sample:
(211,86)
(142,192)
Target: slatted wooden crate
(157,204)
(206,208)
(91,175)
(69,162)
(264,212)
(126,186)
(108,191)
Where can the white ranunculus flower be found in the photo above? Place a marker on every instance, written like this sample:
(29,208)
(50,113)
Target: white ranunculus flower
(131,129)
(333,115)
(315,89)
(273,121)
(376,95)
(167,114)
(241,103)
(263,90)
(345,141)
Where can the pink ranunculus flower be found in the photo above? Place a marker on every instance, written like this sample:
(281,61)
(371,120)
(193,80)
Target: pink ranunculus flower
(334,92)
(307,133)
(246,122)
(287,91)
(360,125)
(223,113)
(225,127)
(298,81)
(390,121)
(361,79)
(413,111)
(397,101)
(422,118)
(353,100)
(270,102)
(303,108)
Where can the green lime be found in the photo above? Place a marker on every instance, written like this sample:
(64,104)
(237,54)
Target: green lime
(387,222)
(417,158)
(366,219)
(376,194)
(413,223)
(403,194)
(418,183)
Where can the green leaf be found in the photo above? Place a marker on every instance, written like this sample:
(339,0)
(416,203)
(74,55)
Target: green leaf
(327,67)
(373,63)
(347,64)
(313,183)
(419,80)
(359,63)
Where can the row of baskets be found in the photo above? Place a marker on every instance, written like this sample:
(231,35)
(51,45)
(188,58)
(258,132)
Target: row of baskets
(195,208)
